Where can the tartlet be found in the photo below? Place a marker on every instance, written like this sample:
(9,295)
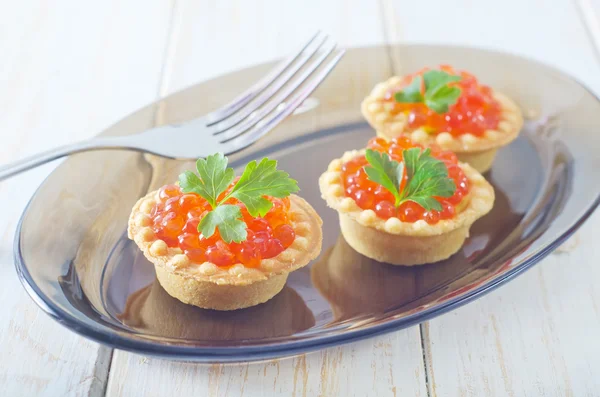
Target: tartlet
(475,127)
(400,236)
(207,271)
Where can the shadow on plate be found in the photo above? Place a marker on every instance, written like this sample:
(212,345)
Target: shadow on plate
(355,285)
(153,311)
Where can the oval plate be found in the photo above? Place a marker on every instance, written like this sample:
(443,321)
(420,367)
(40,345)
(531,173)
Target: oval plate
(74,259)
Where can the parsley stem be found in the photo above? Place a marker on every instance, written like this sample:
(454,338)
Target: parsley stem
(227,196)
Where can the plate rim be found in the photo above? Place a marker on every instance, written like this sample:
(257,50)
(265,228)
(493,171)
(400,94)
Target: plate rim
(247,353)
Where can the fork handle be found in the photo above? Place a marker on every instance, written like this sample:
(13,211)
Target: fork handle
(30,162)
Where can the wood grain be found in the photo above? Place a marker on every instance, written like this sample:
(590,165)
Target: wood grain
(553,35)
(533,336)
(249,34)
(68,71)
(388,365)
(211,39)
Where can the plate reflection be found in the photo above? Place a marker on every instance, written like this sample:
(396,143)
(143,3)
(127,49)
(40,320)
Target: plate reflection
(154,311)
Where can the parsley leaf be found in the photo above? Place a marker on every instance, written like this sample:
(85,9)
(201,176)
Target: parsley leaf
(385,171)
(262,179)
(411,93)
(214,177)
(438,95)
(190,183)
(435,79)
(442,98)
(427,177)
(228,218)
(215,174)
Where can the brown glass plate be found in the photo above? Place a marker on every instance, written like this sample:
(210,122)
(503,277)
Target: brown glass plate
(74,259)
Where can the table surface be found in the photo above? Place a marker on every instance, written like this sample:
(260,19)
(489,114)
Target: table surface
(72,68)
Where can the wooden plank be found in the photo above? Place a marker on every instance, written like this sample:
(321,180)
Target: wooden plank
(69,70)
(212,39)
(533,336)
(388,365)
(553,34)
(589,10)
(248,34)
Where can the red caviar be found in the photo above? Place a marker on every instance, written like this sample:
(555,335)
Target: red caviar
(370,195)
(177,215)
(475,111)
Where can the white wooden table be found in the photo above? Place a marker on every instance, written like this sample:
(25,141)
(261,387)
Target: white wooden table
(71,68)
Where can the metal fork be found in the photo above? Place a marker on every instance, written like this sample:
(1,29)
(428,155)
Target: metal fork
(229,129)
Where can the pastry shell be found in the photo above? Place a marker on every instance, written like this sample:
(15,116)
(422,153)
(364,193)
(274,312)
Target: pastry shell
(403,243)
(478,151)
(209,286)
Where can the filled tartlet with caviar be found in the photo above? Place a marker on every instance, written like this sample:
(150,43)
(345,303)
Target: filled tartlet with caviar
(403,204)
(225,243)
(447,108)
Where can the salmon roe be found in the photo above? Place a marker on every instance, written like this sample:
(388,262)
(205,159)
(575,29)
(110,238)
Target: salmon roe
(370,195)
(475,111)
(176,216)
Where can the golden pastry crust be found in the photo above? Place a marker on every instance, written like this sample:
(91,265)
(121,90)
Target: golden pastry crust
(481,161)
(388,125)
(404,243)
(209,295)
(401,250)
(210,286)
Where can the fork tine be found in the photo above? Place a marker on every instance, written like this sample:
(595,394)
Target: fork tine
(277,99)
(269,91)
(242,99)
(259,130)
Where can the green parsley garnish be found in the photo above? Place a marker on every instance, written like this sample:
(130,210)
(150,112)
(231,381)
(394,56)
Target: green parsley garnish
(438,94)
(258,180)
(427,177)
